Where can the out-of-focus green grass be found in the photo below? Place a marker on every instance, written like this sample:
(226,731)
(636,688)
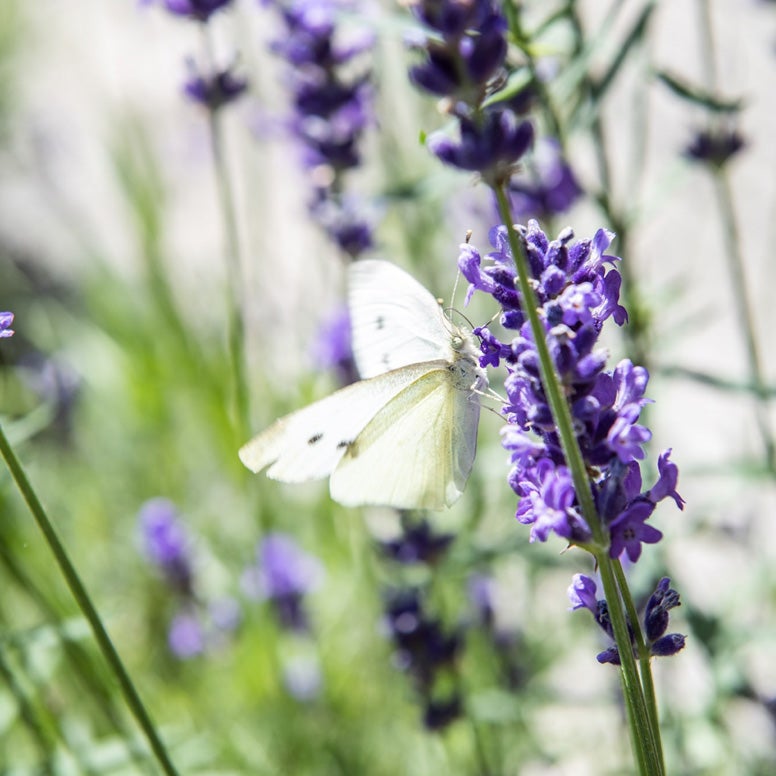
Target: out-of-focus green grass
(151,416)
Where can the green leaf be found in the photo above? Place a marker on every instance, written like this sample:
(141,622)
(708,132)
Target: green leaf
(698,96)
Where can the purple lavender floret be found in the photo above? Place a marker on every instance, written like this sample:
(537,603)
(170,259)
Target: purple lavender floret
(656,613)
(490,144)
(582,592)
(464,51)
(577,289)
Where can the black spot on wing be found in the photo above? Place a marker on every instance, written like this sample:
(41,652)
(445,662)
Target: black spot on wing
(379,323)
(315,438)
(348,445)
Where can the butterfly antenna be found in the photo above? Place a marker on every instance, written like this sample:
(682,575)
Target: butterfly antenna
(458,273)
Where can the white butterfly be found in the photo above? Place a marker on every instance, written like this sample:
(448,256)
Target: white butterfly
(405,436)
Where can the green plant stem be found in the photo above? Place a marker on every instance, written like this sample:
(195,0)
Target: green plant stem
(744,307)
(235,306)
(735,260)
(645,661)
(642,735)
(127,687)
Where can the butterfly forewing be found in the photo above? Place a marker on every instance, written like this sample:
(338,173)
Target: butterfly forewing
(394,320)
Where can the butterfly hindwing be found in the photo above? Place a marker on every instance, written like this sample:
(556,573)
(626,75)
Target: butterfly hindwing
(412,454)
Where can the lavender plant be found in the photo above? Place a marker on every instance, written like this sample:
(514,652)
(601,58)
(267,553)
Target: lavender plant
(331,98)
(214,87)
(573,432)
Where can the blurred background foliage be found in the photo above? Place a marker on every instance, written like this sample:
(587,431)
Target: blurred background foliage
(116,389)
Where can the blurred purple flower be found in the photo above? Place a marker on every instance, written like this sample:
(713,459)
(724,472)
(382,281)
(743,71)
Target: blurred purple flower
(199,10)
(213,91)
(283,573)
(56,383)
(715,146)
(480,588)
(417,544)
(465,50)
(344,221)
(424,650)
(464,55)
(185,637)
(332,347)
(549,186)
(166,543)
(6,319)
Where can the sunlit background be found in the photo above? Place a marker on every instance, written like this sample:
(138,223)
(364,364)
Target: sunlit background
(118,388)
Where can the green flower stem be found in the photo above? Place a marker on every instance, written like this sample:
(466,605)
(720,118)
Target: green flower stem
(645,659)
(236,323)
(642,736)
(84,602)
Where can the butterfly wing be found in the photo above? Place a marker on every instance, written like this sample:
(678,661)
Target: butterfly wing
(394,320)
(309,443)
(417,452)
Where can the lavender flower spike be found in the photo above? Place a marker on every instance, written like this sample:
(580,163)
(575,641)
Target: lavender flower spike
(331,98)
(582,595)
(577,289)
